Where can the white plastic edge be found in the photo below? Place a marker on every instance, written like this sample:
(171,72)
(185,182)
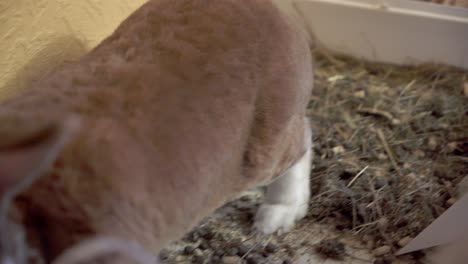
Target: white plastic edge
(390,31)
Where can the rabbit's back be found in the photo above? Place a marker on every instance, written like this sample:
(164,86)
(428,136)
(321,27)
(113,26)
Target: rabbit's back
(186,104)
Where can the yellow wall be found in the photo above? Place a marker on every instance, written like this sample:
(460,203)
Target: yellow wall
(37,35)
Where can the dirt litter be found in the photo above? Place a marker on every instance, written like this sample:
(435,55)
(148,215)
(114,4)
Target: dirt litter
(391,154)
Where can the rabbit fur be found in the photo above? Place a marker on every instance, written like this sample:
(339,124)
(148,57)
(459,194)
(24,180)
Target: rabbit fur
(187,104)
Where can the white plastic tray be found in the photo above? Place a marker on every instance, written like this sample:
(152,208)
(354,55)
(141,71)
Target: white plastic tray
(391,31)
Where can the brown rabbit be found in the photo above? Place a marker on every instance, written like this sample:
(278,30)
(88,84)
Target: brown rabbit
(187,104)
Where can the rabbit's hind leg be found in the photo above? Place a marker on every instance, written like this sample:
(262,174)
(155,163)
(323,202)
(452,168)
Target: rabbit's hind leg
(287,197)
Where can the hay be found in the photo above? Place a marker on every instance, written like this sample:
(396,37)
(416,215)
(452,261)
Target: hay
(390,149)
(390,146)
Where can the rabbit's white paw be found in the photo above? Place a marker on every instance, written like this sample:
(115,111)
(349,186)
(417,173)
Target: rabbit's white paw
(272,218)
(286,199)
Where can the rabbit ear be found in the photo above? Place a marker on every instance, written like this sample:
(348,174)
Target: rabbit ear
(27,150)
(27,154)
(90,249)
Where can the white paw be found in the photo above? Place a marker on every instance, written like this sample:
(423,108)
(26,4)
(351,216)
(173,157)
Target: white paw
(279,218)
(302,209)
(286,199)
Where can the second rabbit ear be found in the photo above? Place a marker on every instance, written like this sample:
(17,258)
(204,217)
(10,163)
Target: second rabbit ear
(87,250)
(26,155)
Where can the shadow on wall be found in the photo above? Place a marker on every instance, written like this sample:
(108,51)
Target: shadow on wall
(52,56)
